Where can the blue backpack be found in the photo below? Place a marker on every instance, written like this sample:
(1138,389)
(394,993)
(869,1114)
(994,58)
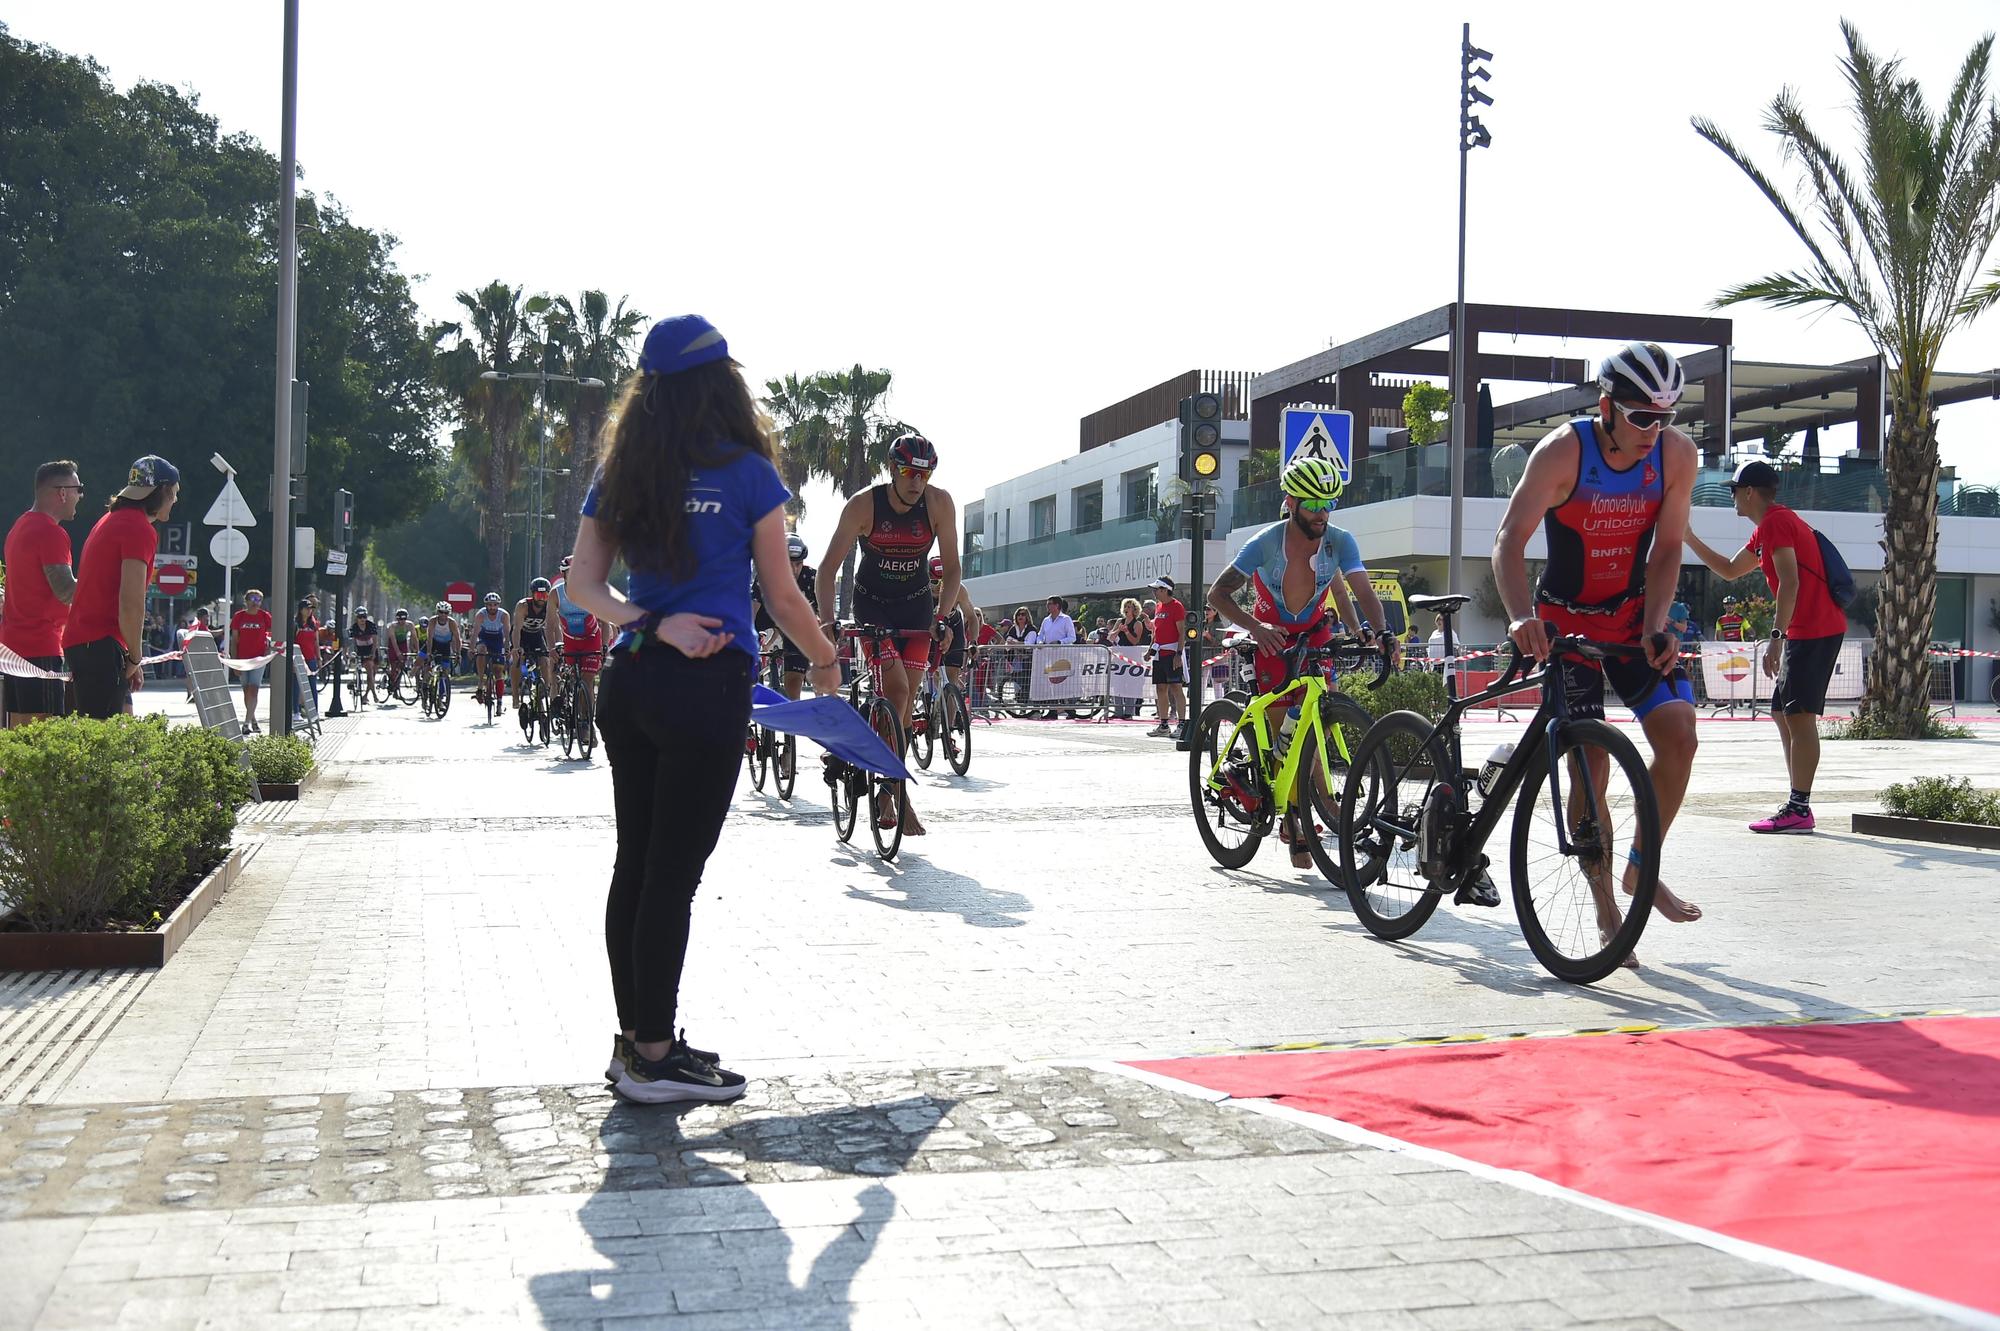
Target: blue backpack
(1839,578)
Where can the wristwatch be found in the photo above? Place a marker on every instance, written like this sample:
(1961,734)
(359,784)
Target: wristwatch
(1777,635)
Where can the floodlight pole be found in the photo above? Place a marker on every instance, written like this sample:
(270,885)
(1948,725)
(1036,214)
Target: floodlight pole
(1471,134)
(288,329)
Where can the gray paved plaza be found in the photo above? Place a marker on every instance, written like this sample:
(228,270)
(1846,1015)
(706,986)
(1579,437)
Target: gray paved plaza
(368,1092)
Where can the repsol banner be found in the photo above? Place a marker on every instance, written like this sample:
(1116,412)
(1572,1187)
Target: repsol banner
(1131,672)
(1066,672)
(1734,672)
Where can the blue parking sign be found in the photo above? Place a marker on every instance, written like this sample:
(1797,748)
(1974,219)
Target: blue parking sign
(1324,432)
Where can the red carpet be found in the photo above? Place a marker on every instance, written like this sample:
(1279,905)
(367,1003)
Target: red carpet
(1873,1147)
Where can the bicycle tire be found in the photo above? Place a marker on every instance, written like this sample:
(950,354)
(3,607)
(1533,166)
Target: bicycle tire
(758,756)
(923,738)
(787,765)
(565,720)
(405,690)
(542,718)
(1340,716)
(1644,834)
(443,694)
(380,690)
(848,789)
(586,723)
(957,730)
(1389,781)
(888,840)
(1217,719)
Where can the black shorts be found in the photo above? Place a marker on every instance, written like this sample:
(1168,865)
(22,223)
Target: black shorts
(97,674)
(1167,668)
(38,697)
(795,660)
(1640,687)
(1803,674)
(952,643)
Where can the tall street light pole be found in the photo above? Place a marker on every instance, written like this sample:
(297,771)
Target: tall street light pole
(1471,134)
(542,468)
(288,318)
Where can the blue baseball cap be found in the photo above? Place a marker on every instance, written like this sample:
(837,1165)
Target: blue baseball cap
(681,343)
(148,474)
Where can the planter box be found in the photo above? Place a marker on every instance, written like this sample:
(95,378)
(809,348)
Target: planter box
(1976,835)
(51,952)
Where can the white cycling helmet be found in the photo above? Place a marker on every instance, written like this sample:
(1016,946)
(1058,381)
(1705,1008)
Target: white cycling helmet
(1642,372)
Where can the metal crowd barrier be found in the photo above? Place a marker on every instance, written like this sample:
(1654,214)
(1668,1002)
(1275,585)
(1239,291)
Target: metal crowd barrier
(1018,679)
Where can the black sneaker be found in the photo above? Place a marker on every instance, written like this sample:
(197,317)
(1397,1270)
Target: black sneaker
(622,1053)
(677,1078)
(707,1056)
(1478,890)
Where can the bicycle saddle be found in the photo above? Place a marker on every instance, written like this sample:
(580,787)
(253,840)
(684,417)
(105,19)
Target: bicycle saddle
(1442,605)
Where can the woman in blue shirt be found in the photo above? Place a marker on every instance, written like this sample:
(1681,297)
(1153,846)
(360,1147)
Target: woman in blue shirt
(689,496)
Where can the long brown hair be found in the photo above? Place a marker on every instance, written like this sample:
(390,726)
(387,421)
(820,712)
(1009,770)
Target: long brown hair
(663,428)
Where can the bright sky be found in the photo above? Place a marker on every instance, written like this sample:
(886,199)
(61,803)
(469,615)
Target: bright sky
(1031,211)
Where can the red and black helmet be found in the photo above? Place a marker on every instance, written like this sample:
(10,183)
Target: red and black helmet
(937,568)
(913,450)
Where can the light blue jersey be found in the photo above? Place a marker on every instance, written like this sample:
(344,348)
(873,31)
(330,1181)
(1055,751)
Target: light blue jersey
(1263,559)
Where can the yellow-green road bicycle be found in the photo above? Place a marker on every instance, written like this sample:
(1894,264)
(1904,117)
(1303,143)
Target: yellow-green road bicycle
(1245,783)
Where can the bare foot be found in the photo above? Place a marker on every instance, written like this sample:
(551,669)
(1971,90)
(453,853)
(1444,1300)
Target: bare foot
(911,827)
(1631,962)
(1664,901)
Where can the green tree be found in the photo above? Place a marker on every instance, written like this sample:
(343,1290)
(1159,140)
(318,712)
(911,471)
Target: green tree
(858,440)
(798,409)
(138,281)
(1426,409)
(492,414)
(593,340)
(1897,244)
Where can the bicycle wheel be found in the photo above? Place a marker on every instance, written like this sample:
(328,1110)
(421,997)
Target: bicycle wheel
(957,727)
(380,690)
(443,694)
(424,698)
(405,687)
(758,755)
(923,731)
(786,765)
(1229,828)
(1567,900)
(1345,722)
(565,719)
(885,794)
(586,721)
(849,789)
(542,719)
(1389,784)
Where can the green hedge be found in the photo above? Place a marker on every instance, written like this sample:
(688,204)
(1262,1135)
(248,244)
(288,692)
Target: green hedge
(1946,799)
(1419,691)
(279,759)
(103,823)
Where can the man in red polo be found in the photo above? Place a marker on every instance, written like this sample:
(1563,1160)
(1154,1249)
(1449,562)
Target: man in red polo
(1807,628)
(40,585)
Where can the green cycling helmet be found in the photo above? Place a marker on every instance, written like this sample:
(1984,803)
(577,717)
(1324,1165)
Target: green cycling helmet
(1311,478)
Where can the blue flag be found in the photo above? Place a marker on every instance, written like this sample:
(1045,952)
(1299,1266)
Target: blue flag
(830,722)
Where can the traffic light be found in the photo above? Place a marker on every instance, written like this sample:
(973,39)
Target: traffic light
(1471,133)
(343,518)
(1201,438)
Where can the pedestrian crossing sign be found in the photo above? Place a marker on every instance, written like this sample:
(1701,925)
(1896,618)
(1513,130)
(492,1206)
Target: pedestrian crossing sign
(1322,432)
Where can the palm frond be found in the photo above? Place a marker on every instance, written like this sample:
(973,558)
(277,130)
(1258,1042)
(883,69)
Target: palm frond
(1784,290)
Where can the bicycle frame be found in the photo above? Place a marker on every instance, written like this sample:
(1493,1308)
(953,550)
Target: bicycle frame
(1284,782)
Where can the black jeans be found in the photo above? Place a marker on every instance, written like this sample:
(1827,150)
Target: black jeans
(673,729)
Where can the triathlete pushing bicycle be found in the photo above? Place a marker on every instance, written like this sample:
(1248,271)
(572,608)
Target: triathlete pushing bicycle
(1612,495)
(1293,564)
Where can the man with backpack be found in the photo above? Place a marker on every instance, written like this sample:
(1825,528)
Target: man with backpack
(1812,586)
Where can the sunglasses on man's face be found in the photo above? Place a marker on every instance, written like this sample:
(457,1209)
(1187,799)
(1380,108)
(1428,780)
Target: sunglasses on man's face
(914,473)
(1315,505)
(1641,418)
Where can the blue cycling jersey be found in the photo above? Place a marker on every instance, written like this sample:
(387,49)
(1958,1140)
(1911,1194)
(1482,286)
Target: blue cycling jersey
(1263,559)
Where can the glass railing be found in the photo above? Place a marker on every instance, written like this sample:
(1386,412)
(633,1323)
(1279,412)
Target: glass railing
(1105,537)
(1422,471)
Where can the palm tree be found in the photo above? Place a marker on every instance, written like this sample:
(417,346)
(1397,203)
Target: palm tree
(591,340)
(1898,246)
(805,435)
(491,414)
(857,440)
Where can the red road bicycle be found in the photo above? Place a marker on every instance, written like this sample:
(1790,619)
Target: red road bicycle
(851,786)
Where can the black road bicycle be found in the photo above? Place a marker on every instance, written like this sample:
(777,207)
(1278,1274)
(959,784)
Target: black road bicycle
(1413,827)
(572,716)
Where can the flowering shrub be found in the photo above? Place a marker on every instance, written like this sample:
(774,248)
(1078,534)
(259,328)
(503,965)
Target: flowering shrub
(103,821)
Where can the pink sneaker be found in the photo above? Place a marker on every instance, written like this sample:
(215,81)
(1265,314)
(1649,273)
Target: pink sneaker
(1787,819)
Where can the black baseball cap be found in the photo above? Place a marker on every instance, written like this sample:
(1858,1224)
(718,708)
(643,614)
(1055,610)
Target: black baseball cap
(1755,473)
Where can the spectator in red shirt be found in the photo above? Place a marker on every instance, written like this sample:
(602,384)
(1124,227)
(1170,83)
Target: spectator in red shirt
(1806,633)
(42,585)
(102,640)
(250,638)
(1169,678)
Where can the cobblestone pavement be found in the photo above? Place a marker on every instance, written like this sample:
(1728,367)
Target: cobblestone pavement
(366,1092)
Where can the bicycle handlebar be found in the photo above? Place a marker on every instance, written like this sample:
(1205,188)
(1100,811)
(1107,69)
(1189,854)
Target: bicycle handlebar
(1570,644)
(1302,654)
